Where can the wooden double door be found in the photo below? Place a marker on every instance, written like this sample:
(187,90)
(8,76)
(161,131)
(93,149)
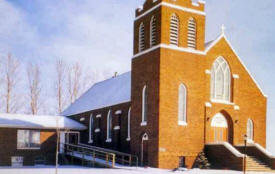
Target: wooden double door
(219,134)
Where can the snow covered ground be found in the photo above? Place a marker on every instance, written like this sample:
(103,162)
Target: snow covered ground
(83,170)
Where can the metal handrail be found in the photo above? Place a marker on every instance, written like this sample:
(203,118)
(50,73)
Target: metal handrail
(109,150)
(95,154)
(123,155)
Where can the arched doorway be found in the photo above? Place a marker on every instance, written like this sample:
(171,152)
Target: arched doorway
(220,130)
(144,150)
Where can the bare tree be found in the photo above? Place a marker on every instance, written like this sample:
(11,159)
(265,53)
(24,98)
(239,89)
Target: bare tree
(12,101)
(58,147)
(34,84)
(79,80)
(60,69)
(74,82)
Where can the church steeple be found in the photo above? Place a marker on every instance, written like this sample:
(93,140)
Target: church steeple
(179,23)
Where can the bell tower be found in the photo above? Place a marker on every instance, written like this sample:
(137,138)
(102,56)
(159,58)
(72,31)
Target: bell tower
(169,38)
(189,14)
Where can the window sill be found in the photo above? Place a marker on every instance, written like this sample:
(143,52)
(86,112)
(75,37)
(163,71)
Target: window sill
(98,116)
(31,148)
(182,123)
(97,130)
(143,124)
(222,102)
(91,142)
(128,139)
(108,140)
(117,128)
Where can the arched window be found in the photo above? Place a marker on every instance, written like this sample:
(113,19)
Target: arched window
(174,30)
(129,125)
(91,131)
(109,126)
(182,104)
(220,80)
(192,33)
(144,105)
(250,130)
(141,37)
(152,31)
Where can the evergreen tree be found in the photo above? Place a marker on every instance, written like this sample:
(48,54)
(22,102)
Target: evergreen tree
(201,161)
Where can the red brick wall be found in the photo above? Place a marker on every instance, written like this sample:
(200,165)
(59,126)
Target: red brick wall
(99,139)
(145,71)
(180,68)
(8,146)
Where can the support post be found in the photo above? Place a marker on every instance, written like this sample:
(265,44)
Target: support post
(114,159)
(107,160)
(83,153)
(72,157)
(130,160)
(94,159)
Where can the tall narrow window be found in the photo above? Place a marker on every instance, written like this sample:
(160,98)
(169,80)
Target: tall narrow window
(141,37)
(144,105)
(129,125)
(250,130)
(182,104)
(192,33)
(91,129)
(174,30)
(153,32)
(220,80)
(109,126)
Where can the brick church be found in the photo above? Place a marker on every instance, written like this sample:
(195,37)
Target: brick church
(182,96)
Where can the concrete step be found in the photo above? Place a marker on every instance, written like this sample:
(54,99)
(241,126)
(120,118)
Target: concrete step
(253,164)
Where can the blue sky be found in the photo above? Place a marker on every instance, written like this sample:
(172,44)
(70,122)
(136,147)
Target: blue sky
(100,34)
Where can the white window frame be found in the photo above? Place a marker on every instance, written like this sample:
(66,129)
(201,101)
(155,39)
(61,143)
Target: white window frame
(144,91)
(29,141)
(174,37)
(91,127)
(129,125)
(153,33)
(182,121)
(109,138)
(250,125)
(192,35)
(141,41)
(214,84)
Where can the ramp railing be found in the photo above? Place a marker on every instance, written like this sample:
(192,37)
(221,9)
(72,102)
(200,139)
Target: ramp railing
(95,156)
(120,157)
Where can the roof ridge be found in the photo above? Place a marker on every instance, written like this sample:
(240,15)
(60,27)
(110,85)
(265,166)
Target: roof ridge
(111,78)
